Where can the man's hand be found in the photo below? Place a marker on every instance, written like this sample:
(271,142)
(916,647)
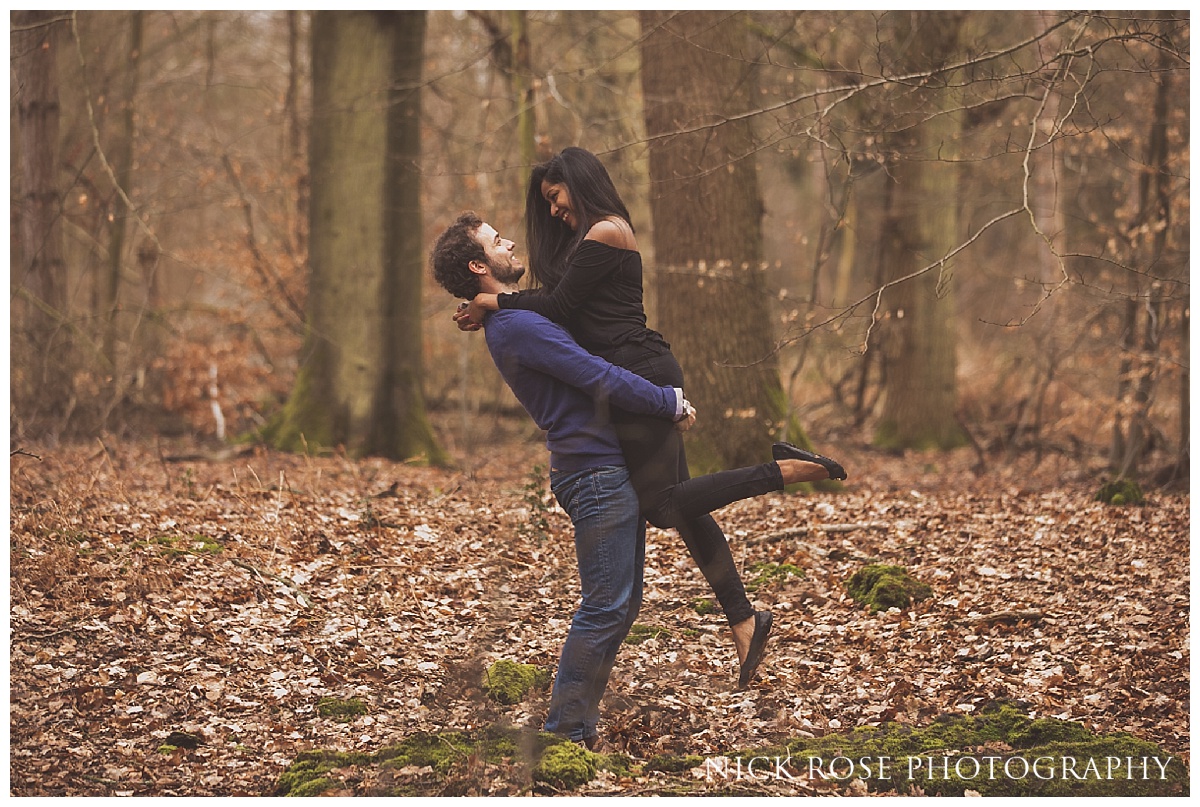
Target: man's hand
(689,417)
(462,317)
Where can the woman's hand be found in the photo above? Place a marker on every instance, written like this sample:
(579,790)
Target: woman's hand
(462,318)
(471,314)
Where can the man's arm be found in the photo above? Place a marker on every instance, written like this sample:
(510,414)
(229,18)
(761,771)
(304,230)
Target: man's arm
(548,348)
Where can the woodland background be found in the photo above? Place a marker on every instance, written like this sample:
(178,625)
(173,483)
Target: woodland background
(976,219)
(949,248)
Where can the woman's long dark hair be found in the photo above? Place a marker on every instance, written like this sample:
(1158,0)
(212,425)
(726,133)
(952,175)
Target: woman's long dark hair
(593,197)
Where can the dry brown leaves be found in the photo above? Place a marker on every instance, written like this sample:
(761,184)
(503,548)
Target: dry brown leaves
(224,599)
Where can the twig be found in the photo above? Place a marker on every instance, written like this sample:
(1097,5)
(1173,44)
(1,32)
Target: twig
(259,262)
(853,527)
(794,532)
(222,454)
(43,636)
(24,453)
(113,468)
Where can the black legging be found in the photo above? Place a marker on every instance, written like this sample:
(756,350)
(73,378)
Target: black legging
(669,498)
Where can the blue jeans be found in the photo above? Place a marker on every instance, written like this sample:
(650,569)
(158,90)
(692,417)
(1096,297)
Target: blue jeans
(610,547)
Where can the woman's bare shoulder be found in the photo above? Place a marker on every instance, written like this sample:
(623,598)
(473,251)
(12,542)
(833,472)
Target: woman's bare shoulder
(613,231)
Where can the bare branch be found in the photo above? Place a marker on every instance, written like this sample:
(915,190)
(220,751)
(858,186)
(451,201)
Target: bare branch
(259,262)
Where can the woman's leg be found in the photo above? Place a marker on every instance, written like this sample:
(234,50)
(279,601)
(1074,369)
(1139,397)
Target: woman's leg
(654,453)
(655,457)
(700,495)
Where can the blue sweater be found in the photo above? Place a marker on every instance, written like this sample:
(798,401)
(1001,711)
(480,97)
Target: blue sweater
(560,385)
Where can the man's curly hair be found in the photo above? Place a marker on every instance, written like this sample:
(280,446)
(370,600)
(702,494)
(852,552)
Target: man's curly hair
(453,250)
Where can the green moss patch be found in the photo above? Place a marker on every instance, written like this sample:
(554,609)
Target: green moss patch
(880,587)
(1122,491)
(340,710)
(703,606)
(998,752)
(508,682)
(444,759)
(306,775)
(671,764)
(566,766)
(439,752)
(174,545)
(640,633)
(767,573)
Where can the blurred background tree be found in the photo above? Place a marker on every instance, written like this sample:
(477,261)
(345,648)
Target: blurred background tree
(713,303)
(974,224)
(359,383)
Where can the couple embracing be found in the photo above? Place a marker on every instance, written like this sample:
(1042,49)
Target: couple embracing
(579,356)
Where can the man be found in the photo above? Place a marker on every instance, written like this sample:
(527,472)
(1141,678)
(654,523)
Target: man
(558,383)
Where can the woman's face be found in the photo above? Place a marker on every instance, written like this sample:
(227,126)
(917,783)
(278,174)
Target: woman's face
(559,199)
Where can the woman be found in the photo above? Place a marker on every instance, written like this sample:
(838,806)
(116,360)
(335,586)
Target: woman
(584,255)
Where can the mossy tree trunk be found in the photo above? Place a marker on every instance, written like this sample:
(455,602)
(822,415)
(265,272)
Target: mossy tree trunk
(709,278)
(359,385)
(921,227)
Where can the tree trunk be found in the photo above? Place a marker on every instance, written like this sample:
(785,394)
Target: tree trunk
(1183,452)
(39,277)
(294,147)
(712,301)
(359,382)
(522,84)
(1117,446)
(121,159)
(921,228)
(401,428)
(1149,236)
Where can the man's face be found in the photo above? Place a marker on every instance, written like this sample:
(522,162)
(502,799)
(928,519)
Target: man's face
(504,265)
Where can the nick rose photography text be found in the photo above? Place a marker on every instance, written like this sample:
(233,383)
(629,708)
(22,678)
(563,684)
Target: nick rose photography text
(936,768)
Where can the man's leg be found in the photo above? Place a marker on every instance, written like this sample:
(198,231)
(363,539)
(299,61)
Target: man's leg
(604,509)
(600,683)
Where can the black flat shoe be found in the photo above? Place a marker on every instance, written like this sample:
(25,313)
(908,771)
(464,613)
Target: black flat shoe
(758,644)
(787,451)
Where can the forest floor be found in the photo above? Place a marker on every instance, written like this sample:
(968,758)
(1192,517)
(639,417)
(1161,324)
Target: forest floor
(177,623)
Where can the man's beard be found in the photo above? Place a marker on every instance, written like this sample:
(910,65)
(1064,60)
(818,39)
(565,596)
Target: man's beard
(506,274)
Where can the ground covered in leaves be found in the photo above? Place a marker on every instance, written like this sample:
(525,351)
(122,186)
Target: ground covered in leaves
(183,624)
